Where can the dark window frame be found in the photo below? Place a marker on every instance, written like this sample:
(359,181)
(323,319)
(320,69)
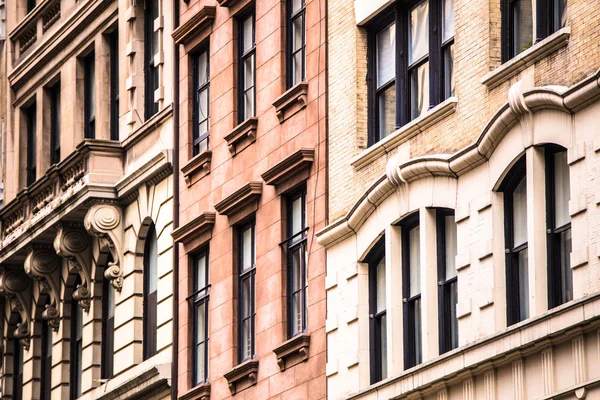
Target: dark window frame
(31,121)
(376,352)
(89,67)
(114,85)
(242,276)
(46,360)
(150,299)
(244,114)
(108,328)
(197,137)
(18,366)
(151,78)
(200,298)
(76,349)
(291,17)
(54,93)
(445,286)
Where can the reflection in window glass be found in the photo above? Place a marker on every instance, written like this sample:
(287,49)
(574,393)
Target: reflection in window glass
(418,39)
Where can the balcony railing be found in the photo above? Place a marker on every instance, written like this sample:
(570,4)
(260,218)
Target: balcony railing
(34,25)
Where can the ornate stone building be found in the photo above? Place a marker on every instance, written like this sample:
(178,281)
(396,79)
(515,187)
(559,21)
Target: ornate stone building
(85,231)
(462,251)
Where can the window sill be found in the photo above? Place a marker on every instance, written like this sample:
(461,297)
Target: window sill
(291,102)
(529,57)
(242,376)
(200,392)
(197,167)
(290,171)
(293,351)
(242,136)
(401,135)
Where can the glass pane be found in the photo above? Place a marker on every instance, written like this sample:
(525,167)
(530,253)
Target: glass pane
(245,298)
(381,306)
(562,13)
(520,213)
(296,269)
(298,67)
(297,312)
(249,72)
(203,107)
(383,341)
(450,227)
(246,340)
(201,323)
(110,300)
(203,146)
(449,84)
(414,238)
(562,189)
(385,59)
(448,21)
(418,38)
(523,285)
(203,68)
(297,215)
(152,260)
(297,33)
(417,332)
(419,90)
(79,323)
(386,107)
(248,34)
(522,25)
(296,5)
(453,298)
(200,363)
(249,102)
(201,272)
(565,265)
(247,260)
(92,83)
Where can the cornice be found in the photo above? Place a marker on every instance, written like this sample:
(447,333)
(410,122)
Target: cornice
(199,225)
(199,165)
(289,166)
(291,102)
(247,371)
(240,198)
(295,347)
(200,392)
(199,21)
(242,136)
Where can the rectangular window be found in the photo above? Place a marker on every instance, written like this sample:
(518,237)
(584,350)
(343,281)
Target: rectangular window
(76,346)
(296,260)
(411,287)
(30,117)
(55,124)
(377,312)
(30,5)
(448,48)
(558,190)
(17,370)
(447,281)
(247,270)
(151,42)
(114,85)
(89,65)
(247,69)
(108,328)
(199,301)
(296,39)
(201,114)
(385,89)
(46,367)
(150,293)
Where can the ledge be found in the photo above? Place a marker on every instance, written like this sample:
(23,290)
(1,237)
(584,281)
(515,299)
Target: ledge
(199,225)
(242,136)
(154,382)
(291,102)
(245,372)
(148,126)
(200,392)
(290,167)
(199,165)
(227,3)
(530,56)
(296,347)
(247,194)
(401,135)
(199,21)
(30,19)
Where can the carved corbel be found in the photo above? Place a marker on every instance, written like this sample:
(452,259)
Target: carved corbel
(41,264)
(104,222)
(518,105)
(13,283)
(72,243)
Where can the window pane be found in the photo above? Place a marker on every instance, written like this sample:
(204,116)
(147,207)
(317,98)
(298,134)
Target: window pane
(298,67)
(152,260)
(200,363)
(381,306)
(203,68)
(110,300)
(562,189)
(562,13)
(247,32)
(247,260)
(419,90)
(417,331)
(418,38)
(203,107)
(249,72)
(383,341)
(450,227)
(386,107)
(245,298)
(92,86)
(297,31)
(415,260)
(448,21)
(246,340)
(520,213)
(297,215)
(296,6)
(523,284)
(522,25)
(296,269)
(385,58)
(200,321)
(201,272)
(297,312)
(449,71)
(453,299)
(565,265)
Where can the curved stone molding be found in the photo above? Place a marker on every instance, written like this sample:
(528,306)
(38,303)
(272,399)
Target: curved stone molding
(41,264)
(103,221)
(72,243)
(13,283)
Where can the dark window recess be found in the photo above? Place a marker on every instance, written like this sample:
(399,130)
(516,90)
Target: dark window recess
(76,342)
(411,289)
(46,367)
(89,100)
(199,303)
(30,5)
(377,312)
(247,68)
(297,281)
(558,220)
(17,370)
(150,293)
(151,41)
(447,280)
(516,252)
(108,327)
(411,63)
(30,116)
(114,85)
(296,42)
(201,111)
(246,288)
(55,124)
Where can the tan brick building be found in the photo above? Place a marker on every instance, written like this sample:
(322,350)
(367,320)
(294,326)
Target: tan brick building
(462,251)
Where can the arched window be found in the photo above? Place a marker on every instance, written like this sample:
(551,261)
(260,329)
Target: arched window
(76,345)
(377,312)
(150,292)
(108,327)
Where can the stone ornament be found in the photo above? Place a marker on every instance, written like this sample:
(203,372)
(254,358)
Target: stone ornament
(41,264)
(13,283)
(103,221)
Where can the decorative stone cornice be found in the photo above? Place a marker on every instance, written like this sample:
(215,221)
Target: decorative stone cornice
(246,372)
(292,165)
(13,283)
(104,222)
(243,196)
(291,102)
(295,347)
(242,135)
(196,227)
(41,264)
(199,21)
(200,392)
(150,384)
(199,166)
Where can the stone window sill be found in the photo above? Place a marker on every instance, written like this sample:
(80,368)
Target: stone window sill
(291,102)
(401,135)
(292,352)
(242,136)
(200,392)
(242,376)
(198,167)
(529,57)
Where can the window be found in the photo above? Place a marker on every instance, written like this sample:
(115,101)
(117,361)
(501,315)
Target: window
(247,69)
(151,41)
(297,281)
(411,288)
(76,345)
(30,5)
(515,226)
(114,85)
(296,42)
(46,367)
(247,270)
(89,65)
(30,117)
(201,115)
(377,312)
(447,280)
(55,124)
(518,23)
(108,328)
(401,87)
(199,300)
(560,275)
(17,370)
(150,295)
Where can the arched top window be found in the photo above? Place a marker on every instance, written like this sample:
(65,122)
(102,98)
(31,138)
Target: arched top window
(150,292)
